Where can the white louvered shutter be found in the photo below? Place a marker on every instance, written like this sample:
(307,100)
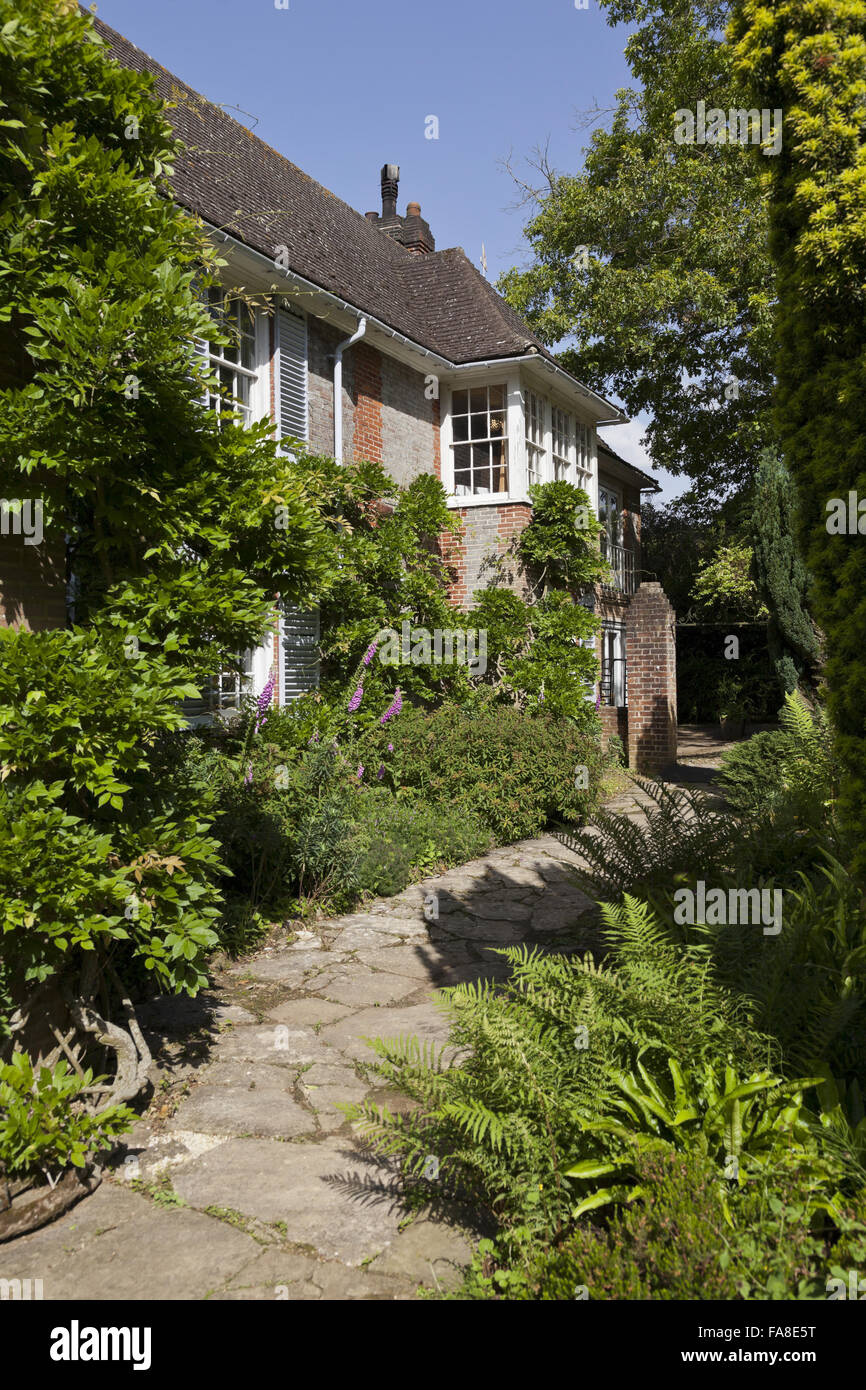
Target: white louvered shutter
(291,375)
(300,630)
(300,647)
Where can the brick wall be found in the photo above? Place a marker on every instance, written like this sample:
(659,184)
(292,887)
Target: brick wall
(387,417)
(410,424)
(614,720)
(652,680)
(367,396)
(32,584)
(322,340)
(483,549)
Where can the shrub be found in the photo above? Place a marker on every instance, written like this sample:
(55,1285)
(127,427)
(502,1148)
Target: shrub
(44,1124)
(403,839)
(516,773)
(790,771)
(91,857)
(679,1242)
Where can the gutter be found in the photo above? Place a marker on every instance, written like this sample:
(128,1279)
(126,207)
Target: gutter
(338,387)
(621,419)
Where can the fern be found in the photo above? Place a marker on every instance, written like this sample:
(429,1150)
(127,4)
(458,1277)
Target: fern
(528,1098)
(678,828)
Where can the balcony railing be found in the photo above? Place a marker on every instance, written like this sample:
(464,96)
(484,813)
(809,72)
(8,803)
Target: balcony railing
(621,562)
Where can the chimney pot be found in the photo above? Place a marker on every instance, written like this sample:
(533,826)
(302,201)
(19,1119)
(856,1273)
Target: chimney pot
(372,216)
(413,210)
(390,180)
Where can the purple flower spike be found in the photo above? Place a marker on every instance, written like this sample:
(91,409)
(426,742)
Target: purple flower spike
(381,772)
(355,700)
(371,652)
(394,708)
(360,773)
(249,777)
(598,703)
(390,748)
(263,703)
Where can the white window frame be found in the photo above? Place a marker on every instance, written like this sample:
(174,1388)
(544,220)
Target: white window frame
(562,443)
(584,454)
(223,691)
(615,496)
(469,496)
(251,409)
(535,437)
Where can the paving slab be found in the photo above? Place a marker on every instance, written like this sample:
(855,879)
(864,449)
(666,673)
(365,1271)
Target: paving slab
(360,987)
(220,1109)
(271,1044)
(425,1021)
(330,1196)
(119,1244)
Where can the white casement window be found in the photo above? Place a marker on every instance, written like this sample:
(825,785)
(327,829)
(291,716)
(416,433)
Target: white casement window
(479,441)
(234,363)
(221,694)
(583,451)
(609,514)
(613,685)
(533,415)
(563,445)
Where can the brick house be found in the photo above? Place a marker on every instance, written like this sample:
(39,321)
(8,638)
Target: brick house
(381,347)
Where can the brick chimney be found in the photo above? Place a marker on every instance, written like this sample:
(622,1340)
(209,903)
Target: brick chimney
(411,231)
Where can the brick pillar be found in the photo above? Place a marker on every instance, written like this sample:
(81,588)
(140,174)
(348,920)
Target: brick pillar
(652,680)
(367,373)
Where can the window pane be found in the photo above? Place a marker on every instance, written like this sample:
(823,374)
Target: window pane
(497,397)
(461,427)
(479,426)
(497,426)
(462,457)
(478,397)
(460,403)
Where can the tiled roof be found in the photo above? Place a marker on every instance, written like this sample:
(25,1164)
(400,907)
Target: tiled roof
(233,180)
(650,484)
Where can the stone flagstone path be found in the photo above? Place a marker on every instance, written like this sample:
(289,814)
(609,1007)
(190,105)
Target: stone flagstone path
(257,1187)
(244,1180)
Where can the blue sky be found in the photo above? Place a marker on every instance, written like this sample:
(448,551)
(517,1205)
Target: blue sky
(341,87)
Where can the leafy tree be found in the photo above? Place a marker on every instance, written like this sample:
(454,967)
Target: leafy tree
(780,573)
(180,527)
(650,266)
(724,586)
(673,541)
(810,61)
